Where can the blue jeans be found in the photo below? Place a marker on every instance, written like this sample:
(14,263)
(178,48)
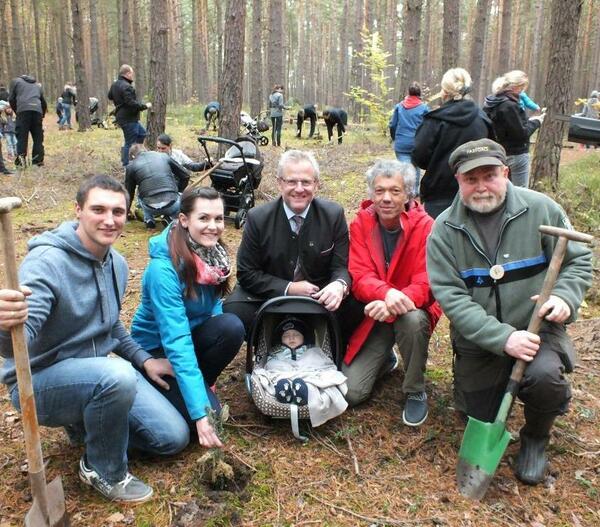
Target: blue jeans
(170,211)
(519,169)
(405,158)
(11,143)
(115,406)
(66,115)
(132,133)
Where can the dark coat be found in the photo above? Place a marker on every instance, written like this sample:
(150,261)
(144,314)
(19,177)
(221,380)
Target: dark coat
(269,249)
(158,177)
(441,132)
(26,95)
(511,126)
(337,116)
(127,107)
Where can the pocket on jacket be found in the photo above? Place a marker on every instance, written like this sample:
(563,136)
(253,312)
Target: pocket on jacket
(327,252)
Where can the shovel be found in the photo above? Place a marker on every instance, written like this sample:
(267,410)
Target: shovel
(48,509)
(483,444)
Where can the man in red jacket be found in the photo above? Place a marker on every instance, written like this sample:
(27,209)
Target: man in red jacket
(387,266)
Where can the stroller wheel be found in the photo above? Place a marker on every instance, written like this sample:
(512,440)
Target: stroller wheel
(263,141)
(240,218)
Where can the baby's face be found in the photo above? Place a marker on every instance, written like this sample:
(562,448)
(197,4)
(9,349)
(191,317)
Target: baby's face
(292,338)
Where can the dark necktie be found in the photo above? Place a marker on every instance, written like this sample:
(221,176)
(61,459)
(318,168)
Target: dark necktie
(296,226)
(297,223)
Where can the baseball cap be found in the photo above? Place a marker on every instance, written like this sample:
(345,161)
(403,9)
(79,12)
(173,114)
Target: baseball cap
(483,152)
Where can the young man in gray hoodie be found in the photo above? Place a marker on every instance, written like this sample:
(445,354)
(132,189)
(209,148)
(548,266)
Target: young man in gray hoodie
(72,284)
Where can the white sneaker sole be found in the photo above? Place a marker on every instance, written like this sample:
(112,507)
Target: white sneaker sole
(408,423)
(143,499)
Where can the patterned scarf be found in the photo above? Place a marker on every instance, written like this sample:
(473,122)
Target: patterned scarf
(212,263)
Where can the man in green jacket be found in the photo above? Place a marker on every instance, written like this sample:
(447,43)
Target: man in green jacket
(486,262)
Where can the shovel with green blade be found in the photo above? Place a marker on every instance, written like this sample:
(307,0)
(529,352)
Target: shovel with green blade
(483,444)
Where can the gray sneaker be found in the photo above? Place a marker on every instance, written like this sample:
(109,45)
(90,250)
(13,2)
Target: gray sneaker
(130,489)
(415,410)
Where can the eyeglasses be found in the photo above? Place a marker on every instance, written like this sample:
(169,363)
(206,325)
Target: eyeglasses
(293,183)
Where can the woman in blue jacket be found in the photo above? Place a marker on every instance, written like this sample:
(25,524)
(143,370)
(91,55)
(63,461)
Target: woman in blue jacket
(406,118)
(181,317)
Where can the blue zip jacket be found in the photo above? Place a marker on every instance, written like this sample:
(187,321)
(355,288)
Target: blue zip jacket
(403,126)
(165,319)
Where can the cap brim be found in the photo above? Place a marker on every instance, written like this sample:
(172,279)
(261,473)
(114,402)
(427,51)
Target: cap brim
(479,162)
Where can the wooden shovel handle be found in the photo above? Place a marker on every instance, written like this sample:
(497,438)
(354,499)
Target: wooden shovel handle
(564,235)
(26,397)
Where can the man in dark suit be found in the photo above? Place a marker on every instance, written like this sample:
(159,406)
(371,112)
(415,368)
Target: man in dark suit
(295,245)
(335,117)
(308,112)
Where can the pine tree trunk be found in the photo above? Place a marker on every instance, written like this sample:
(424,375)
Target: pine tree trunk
(410,44)
(425,36)
(230,94)
(504,50)
(275,50)
(139,49)
(536,81)
(83,110)
(159,15)
(477,46)
(38,37)
(98,77)
(125,51)
(19,66)
(66,58)
(255,73)
(559,87)
(451,34)
(342,86)
(356,70)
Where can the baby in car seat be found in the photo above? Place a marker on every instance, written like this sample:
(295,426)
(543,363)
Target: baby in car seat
(290,335)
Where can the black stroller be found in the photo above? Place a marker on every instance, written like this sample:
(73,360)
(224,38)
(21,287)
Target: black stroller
(272,312)
(255,127)
(236,175)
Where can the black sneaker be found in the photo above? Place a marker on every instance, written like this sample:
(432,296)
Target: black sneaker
(150,224)
(130,489)
(415,410)
(7,171)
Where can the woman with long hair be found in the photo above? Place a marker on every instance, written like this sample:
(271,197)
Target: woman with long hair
(180,317)
(457,121)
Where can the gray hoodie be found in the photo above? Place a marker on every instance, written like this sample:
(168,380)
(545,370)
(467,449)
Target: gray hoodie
(75,305)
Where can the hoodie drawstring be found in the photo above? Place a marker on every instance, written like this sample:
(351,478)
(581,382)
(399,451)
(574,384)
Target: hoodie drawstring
(99,293)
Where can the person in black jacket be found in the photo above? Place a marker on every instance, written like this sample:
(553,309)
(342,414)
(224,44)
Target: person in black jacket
(28,103)
(159,179)
(457,121)
(69,100)
(308,112)
(511,126)
(211,114)
(127,110)
(335,117)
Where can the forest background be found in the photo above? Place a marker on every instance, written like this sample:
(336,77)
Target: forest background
(312,47)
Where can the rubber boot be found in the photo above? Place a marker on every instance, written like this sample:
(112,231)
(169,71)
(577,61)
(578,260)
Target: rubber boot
(532,461)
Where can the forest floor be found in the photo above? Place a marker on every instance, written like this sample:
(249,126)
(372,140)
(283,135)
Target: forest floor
(364,468)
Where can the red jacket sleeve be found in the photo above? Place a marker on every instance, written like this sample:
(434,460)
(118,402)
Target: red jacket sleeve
(367,284)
